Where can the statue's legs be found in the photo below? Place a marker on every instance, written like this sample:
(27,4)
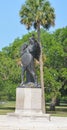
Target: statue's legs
(23,73)
(29,73)
(32,76)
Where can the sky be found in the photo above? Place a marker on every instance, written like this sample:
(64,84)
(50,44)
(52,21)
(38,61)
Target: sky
(10,26)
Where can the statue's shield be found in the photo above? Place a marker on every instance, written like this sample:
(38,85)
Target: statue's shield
(26,59)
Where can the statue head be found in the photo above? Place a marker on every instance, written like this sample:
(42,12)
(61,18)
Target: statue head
(32,39)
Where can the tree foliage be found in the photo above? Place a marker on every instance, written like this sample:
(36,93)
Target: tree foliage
(33,12)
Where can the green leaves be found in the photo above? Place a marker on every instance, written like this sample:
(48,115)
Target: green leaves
(55,65)
(37,11)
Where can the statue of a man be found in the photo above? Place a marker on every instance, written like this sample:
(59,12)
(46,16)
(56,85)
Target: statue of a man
(28,53)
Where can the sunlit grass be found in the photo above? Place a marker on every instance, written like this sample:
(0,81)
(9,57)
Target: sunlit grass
(6,107)
(59,110)
(9,106)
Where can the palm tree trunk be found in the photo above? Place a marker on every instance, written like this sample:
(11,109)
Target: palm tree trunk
(41,72)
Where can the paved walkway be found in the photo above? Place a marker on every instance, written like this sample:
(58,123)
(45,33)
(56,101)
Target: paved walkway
(30,123)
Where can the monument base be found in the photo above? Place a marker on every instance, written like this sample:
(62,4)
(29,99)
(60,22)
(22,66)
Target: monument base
(29,103)
(28,99)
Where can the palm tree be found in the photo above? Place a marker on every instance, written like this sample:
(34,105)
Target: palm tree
(38,13)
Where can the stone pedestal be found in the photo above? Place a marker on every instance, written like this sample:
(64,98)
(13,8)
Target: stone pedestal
(28,100)
(29,103)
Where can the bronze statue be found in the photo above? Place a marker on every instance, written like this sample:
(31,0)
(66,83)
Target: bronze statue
(28,53)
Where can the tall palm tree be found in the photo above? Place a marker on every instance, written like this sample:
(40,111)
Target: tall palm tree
(38,13)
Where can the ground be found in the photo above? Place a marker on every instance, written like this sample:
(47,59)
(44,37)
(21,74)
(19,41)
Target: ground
(29,123)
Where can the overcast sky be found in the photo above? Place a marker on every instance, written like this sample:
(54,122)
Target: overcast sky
(10,27)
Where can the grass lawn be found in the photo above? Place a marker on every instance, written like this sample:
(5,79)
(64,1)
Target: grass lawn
(6,107)
(9,106)
(59,110)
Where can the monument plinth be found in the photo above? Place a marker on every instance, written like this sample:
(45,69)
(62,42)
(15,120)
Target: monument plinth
(28,100)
